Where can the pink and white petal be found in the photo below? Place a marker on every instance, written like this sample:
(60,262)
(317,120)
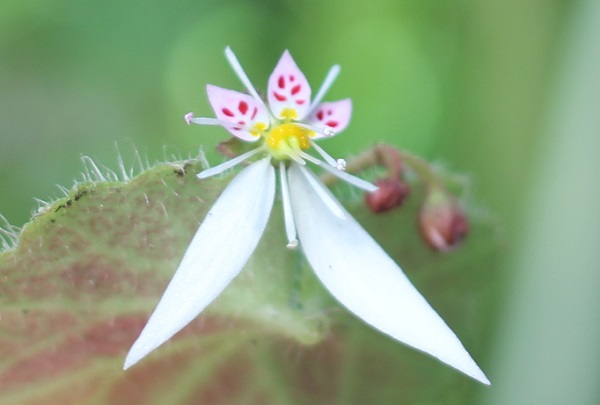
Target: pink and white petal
(288,89)
(335,114)
(363,278)
(238,109)
(217,253)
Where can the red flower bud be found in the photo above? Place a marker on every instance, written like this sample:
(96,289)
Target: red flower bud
(442,221)
(390,194)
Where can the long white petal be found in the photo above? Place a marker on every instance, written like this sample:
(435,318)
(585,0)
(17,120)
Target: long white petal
(217,253)
(361,276)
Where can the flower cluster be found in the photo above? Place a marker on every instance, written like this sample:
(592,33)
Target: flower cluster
(349,263)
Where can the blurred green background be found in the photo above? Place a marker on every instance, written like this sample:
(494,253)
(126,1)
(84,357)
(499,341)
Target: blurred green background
(506,92)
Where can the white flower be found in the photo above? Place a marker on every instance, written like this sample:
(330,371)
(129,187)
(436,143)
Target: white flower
(349,263)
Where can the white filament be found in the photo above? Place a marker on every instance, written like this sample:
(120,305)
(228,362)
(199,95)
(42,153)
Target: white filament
(329,79)
(228,164)
(290,226)
(330,202)
(326,156)
(239,71)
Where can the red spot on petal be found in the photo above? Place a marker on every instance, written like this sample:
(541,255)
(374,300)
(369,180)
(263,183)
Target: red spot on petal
(254,113)
(332,124)
(300,102)
(281,82)
(295,89)
(279,97)
(320,115)
(243,107)
(242,122)
(329,112)
(227,112)
(292,78)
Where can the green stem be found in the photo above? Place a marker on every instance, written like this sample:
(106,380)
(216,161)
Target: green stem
(422,168)
(392,160)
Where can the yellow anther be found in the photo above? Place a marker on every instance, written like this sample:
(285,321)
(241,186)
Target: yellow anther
(289,114)
(258,128)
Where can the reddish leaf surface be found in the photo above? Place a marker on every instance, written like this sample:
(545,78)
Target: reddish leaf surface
(88,271)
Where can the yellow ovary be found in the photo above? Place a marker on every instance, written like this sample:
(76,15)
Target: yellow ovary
(288,139)
(259,127)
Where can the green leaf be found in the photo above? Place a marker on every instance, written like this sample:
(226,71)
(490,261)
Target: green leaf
(88,270)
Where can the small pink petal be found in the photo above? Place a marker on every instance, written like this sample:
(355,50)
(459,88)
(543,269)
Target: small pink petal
(288,88)
(335,114)
(238,108)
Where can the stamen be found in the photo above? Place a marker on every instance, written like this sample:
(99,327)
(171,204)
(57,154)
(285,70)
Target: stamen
(229,164)
(329,79)
(237,68)
(310,158)
(341,165)
(296,157)
(326,156)
(290,226)
(326,130)
(323,193)
(348,178)
(288,151)
(190,119)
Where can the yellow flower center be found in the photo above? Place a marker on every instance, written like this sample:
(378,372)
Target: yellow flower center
(287,139)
